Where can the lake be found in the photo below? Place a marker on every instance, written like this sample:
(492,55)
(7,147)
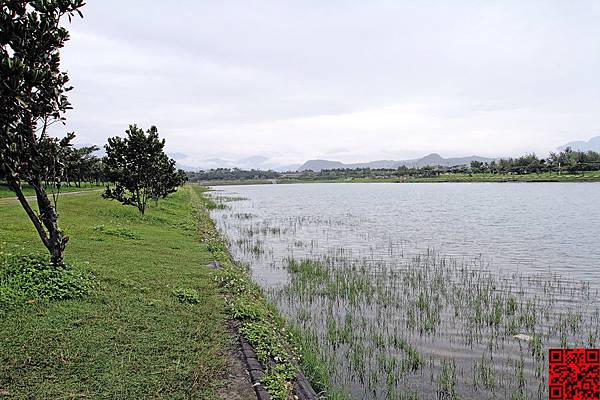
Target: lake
(418,290)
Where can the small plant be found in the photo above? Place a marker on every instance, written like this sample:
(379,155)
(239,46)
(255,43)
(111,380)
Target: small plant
(117,231)
(278,381)
(241,309)
(447,381)
(33,278)
(188,296)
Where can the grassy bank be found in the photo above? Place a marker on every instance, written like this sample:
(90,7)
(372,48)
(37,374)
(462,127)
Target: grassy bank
(6,191)
(281,348)
(152,324)
(144,317)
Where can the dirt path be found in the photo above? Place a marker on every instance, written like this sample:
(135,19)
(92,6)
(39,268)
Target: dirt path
(12,200)
(239,385)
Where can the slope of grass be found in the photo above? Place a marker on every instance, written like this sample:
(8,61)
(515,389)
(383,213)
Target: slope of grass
(134,335)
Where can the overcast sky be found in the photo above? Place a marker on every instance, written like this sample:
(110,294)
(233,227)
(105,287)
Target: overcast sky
(342,80)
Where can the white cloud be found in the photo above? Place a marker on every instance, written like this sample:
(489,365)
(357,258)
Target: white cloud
(298,80)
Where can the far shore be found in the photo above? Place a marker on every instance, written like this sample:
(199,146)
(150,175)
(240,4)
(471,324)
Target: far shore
(592,176)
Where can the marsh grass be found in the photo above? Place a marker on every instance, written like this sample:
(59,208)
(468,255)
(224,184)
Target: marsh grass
(392,326)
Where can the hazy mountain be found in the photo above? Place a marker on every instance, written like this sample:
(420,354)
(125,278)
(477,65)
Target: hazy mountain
(317,165)
(247,163)
(581,145)
(287,168)
(265,163)
(433,159)
(177,156)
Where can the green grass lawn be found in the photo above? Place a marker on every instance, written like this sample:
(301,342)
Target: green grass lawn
(6,191)
(130,337)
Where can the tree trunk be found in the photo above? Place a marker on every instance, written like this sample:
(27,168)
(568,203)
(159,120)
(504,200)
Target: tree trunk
(51,236)
(56,240)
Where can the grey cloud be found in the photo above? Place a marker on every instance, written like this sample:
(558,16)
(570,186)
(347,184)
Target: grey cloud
(292,80)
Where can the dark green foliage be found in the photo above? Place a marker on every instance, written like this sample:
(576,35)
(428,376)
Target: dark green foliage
(139,168)
(568,161)
(32,278)
(189,296)
(33,97)
(118,231)
(82,165)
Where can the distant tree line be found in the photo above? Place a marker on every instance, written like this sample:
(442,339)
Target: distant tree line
(228,174)
(567,161)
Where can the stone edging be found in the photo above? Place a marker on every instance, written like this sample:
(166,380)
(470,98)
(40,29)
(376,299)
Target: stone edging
(302,387)
(254,369)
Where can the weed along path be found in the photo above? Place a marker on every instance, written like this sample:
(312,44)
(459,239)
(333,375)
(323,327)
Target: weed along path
(138,312)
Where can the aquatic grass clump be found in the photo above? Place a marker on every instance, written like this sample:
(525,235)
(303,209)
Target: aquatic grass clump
(361,305)
(31,278)
(447,381)
(483,373)
(245,215)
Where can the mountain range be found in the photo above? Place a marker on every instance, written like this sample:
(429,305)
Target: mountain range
(432,159)
(264,163)
(247,163)
(581,145)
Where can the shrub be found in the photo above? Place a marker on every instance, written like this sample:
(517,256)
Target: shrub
(33,278)
(117,231)
(189,296)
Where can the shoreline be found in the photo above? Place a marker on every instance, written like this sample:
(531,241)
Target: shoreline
(570,179)
(150,287)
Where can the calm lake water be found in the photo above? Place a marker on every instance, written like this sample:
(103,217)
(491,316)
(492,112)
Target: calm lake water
(434,279)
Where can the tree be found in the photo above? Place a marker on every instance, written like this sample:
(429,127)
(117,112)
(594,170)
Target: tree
(168,178)
(477,166)
(139,168)
(32,98)
(80,164)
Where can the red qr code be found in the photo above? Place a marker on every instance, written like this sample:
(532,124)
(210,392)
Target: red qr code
(573,374)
